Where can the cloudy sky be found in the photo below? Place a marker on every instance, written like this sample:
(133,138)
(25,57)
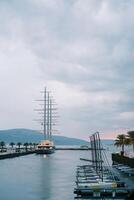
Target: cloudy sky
(82,50)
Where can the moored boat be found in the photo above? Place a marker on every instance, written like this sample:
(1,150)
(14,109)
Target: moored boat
(98,180)
(45,147)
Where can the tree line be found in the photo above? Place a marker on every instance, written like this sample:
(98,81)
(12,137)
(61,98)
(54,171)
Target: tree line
(18,145)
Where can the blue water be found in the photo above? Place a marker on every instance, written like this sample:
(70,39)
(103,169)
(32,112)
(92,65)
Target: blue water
(36,177)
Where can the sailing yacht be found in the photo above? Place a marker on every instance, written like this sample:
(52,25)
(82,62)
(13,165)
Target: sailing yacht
(46,146)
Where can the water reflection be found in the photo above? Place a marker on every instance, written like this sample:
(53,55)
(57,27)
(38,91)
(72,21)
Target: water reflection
(38,177)
(45,177)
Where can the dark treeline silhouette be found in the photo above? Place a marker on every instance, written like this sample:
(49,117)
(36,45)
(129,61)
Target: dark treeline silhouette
(123,140)
(17,146)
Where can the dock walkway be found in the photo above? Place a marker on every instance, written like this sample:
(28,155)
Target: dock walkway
(71,148)
(129,180)
(14,154)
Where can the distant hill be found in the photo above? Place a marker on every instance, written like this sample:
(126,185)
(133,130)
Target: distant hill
(27,135)
(107,142)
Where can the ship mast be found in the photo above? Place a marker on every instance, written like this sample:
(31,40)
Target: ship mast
(50,133)
(47,114)
(44,123)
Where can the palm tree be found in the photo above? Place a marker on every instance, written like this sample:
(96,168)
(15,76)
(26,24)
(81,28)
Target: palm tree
(26,145)
(30,144)
(121,141)
(34,145)
(12,144)
(2,145)
(19,144)
(131,138)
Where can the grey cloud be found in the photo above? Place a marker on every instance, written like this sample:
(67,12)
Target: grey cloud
(86,48)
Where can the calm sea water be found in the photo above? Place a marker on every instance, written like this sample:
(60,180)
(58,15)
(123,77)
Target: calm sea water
(37,177)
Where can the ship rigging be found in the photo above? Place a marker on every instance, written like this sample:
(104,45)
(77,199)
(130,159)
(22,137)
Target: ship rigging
(48,120)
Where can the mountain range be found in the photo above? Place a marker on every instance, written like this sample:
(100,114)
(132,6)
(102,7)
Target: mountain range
(28,135)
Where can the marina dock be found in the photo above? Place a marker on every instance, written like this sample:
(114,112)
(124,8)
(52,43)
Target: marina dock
(99,180)
(14,154)
(120,159)
(89,186)
(71,148)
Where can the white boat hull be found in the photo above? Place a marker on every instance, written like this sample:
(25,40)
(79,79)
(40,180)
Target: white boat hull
(45,151)
(45,147)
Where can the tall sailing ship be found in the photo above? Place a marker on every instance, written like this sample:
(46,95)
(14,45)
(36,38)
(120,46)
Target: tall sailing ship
(46,146)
